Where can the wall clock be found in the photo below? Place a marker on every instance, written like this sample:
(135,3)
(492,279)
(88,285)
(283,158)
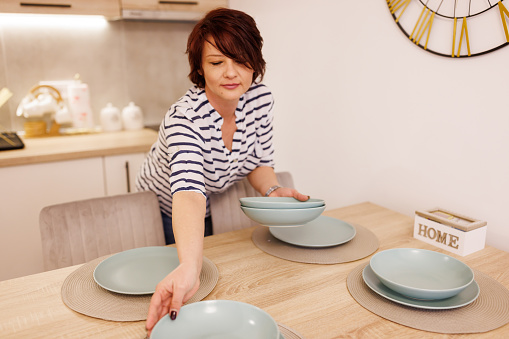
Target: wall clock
(453,28)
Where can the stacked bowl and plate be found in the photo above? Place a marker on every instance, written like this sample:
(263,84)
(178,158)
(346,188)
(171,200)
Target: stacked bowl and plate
(298,223)
(421,278)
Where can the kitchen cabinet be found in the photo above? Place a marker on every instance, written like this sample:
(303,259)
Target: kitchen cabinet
(25,191)
(169,10)
(120,172)
(107,8)
(54,170)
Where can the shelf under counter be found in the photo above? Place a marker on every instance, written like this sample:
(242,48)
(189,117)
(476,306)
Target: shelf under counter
(71,147)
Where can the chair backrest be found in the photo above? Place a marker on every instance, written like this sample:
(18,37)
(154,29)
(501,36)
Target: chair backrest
(77,232)
(225,207)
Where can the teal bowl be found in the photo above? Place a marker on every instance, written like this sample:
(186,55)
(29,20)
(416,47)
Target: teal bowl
(282,217)
(280,202)
(218,319)
(421,274)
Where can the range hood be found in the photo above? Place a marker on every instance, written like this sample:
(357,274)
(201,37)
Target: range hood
(169,10)
(137,14)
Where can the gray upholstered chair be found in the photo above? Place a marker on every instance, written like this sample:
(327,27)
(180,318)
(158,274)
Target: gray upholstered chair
(77,232)
(225,207)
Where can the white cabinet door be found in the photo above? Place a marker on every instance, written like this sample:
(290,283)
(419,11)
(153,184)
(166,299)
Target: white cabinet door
(120,172)
(24,191)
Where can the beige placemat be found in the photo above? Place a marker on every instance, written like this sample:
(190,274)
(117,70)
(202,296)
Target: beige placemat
(488,312)
(363,244)
(289,333)
(82,294)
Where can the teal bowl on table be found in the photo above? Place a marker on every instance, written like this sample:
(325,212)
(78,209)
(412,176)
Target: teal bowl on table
(218,319)
(282,217)
(280,202)
(421,274)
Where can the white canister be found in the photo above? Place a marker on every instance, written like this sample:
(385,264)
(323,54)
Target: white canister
(111,121)
(79,105)
(132,117)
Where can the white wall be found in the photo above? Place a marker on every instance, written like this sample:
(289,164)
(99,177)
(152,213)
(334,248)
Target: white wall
(364,115)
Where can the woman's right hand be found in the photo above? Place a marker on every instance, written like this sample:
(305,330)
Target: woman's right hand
(172,292)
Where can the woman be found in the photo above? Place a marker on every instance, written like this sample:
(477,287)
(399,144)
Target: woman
(219,132)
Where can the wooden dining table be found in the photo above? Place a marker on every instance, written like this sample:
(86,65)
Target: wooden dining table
(311,299)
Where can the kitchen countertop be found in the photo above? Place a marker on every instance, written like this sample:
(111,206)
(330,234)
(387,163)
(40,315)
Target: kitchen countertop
(70,147)
(311,299)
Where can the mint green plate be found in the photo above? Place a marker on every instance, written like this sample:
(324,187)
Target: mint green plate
(465,297)
(280,202)
(279,217)
(214,319)
(136,271)
(322,232)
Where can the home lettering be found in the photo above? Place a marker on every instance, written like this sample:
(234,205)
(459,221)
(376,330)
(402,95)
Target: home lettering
(430,232)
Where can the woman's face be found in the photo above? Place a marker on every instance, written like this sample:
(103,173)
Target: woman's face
(225,79)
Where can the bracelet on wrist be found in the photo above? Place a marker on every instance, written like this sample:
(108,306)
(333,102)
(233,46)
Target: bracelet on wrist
(272,189)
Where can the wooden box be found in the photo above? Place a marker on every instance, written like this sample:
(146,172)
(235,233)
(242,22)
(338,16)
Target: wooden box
(450,231)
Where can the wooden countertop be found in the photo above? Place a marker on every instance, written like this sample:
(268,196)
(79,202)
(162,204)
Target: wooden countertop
(81,146)
(311,299)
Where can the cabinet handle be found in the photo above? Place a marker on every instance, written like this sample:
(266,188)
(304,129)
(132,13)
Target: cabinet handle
(31,4)
(164,2)
(127,176)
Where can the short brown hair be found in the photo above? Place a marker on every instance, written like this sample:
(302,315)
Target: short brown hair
(235,35)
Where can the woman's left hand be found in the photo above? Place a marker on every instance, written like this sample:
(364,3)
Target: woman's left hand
(289,192)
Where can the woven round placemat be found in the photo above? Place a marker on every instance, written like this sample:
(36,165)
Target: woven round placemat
(488,312)
(289,333)
(363,244)
(82,294)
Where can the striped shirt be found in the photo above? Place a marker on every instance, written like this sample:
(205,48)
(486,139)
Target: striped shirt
(190,155)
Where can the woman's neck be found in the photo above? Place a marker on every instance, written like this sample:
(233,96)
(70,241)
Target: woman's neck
(226,109)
